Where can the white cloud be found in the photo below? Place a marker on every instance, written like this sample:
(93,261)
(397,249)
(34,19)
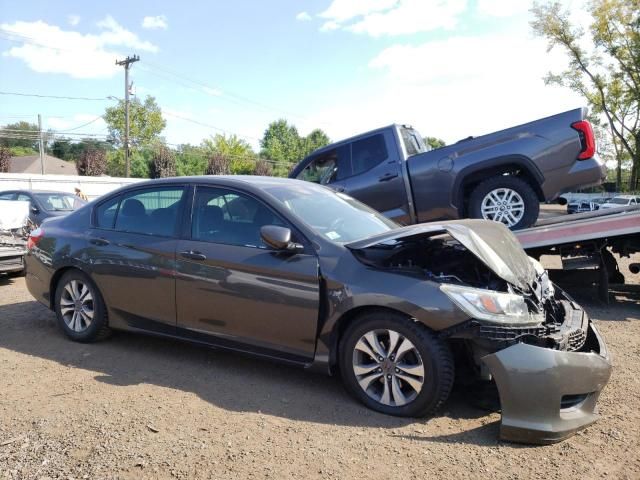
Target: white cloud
(159,21)
(49,49)
(503,8)
(303,17)
(73,20)
(455,88)
(392,17)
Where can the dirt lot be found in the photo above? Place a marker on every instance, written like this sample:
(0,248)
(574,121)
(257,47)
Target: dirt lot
(137,407)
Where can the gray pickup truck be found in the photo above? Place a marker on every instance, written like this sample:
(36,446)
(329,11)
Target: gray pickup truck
(501,176)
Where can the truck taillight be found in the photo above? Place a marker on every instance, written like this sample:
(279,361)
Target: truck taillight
(587,139)
(34,237)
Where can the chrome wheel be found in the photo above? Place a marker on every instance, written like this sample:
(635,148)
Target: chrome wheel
(388,367)
(503,205)
(76,305)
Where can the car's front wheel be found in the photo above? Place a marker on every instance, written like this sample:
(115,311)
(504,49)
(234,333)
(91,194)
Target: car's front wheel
(79,307)
(395,366)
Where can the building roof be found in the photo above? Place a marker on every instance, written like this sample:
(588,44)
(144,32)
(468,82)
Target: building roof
(52,165)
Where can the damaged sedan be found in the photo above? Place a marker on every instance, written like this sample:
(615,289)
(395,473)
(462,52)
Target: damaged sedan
(293,271)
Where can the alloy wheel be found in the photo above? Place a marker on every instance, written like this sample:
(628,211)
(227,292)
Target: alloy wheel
(76,305)
(388,367)
(503,205)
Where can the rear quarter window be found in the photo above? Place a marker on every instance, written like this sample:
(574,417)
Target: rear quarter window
(106,213)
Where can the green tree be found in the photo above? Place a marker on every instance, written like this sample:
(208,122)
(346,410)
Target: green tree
(70,150)
(240,154)
(281,142)
(315,140)
(145,122)
(140,163)
(434,142)
(190,160)
(608,75)
(20,134)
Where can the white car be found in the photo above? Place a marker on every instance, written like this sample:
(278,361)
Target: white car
(621,201)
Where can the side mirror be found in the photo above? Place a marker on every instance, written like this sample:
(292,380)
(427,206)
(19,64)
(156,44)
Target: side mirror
(35,210)
(562,201)
(279,238)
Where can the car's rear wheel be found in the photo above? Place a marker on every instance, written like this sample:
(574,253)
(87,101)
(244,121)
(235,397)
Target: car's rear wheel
(80,309)
(506,199)
(395,365)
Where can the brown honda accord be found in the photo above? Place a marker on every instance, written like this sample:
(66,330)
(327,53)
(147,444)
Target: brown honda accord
(296,272)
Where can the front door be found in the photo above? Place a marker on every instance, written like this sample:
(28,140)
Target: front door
(232,290)
(132,248)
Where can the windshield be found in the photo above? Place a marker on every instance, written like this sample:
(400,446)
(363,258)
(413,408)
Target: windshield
(336,216)
(413,142)
(59,202)
(620,201)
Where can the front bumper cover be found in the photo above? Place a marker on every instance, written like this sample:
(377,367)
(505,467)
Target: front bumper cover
(533,382)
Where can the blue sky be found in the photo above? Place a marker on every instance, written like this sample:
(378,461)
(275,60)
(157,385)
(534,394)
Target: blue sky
(450,68)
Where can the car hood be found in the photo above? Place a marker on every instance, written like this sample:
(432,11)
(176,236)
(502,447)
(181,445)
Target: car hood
(492,242)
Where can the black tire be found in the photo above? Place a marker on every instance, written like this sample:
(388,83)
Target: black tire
(529,197)
(98,328)
(436,359)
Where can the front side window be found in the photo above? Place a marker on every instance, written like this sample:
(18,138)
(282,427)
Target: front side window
(328,166)
(367,153)
(7,196)
(233,218)
(151,212)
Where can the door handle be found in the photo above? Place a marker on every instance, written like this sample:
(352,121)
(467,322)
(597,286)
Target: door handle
(387,176)
(191,255)
(100,242)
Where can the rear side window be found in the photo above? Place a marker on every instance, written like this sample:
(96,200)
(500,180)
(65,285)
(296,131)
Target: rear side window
(367,153)
(106,213)
(151,212)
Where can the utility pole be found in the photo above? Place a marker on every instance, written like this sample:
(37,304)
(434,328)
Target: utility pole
(40,144)
(126,64)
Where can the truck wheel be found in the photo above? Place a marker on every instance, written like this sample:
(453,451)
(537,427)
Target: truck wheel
(395,366)
(79,307)
(505,199)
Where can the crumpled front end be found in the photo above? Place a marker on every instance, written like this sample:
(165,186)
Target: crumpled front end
(549,391)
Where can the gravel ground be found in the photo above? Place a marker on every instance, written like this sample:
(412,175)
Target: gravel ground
(140,407)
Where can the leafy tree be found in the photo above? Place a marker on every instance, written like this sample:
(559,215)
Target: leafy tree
(5,158)
(190,160)
(315,140)
(281,142)
(608,75)
(237,150)
(145,122)
(163,163)
(92,162)
(69,150)
(434,142)
(140,163)
(22,151)
(20,134)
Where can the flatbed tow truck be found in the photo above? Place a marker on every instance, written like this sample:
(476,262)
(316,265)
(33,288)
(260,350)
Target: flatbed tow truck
(585,242)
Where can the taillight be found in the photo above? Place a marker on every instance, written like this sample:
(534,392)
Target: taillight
(587,139)
(34,237)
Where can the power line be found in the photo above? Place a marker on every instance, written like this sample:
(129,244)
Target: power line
(60,97)
(85,124)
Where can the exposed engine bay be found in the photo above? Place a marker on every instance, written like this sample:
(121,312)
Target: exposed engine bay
(441,258)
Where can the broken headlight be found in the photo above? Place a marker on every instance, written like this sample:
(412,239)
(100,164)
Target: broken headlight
(491,306)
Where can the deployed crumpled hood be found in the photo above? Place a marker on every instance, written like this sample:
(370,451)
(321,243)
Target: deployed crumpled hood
(492,242)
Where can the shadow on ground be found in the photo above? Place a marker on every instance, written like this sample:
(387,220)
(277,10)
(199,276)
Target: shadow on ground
(227,380)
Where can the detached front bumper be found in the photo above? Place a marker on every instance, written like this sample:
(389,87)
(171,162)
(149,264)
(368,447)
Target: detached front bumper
(547,395)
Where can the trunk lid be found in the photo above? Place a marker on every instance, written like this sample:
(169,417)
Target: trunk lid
(492,242)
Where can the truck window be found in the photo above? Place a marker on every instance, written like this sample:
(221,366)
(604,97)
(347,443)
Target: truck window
(412,141)
(328,167)
(367,153)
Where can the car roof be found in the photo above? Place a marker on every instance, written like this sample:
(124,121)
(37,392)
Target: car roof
(22,190)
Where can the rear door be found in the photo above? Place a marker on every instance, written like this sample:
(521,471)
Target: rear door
(376,177)
(234,291)
(132,245)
